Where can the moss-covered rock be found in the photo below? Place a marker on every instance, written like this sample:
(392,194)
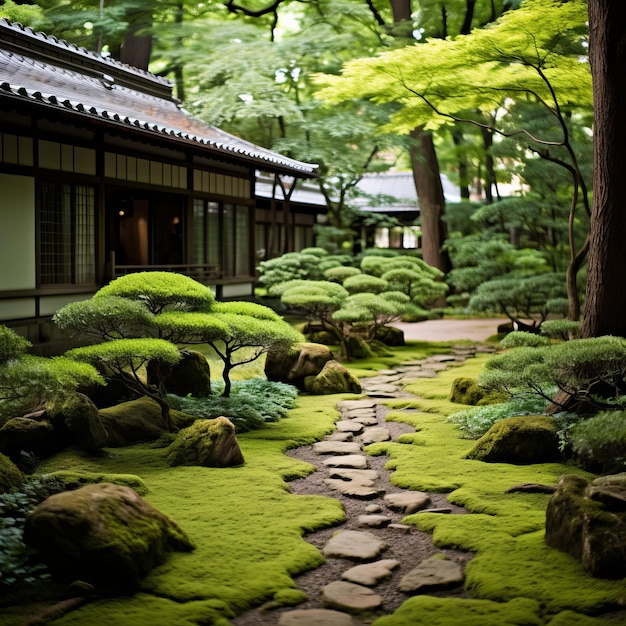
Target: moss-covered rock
(80,421)
(589,522)
(292,366)
(390,335)
(467,391)
(190,376)
(138,421)
(33,436)
(10,475)
(104,534)
(334,378)
(521,439)
(73,479)
(207,443)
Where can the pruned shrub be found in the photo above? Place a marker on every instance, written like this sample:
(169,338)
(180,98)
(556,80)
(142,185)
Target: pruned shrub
(251,404)
(561,329)
(519,338)
(340,273)
(599,443)
(362,283)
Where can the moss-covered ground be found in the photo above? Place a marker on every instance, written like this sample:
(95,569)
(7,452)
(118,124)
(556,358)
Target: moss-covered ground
(248,529)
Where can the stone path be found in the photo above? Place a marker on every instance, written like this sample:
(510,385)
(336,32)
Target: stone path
(373,561)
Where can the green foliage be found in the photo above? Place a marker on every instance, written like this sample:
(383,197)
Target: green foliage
(362,283)
(519,338)
(289,266)
(30,381)
(581,368)
(339,273)
(561,329)
(12,345)
(600,442)
(105,317)
(251,309)
(183,327)
(119,354)
(251,404)
(17,562)
(519,297)
(477,420)
(160,291)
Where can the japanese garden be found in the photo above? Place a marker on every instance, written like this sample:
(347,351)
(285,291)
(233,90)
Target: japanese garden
(238,387)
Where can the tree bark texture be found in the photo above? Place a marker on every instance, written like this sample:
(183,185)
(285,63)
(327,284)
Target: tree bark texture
(605,303)
(430,194)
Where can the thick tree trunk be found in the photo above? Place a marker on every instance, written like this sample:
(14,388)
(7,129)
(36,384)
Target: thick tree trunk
(430,194)
(605,304)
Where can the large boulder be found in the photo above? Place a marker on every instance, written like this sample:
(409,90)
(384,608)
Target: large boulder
(334,378)
(104,534)
(190,376)
(10,475)
(588,521)
(207,443)
(138,421)
(28,435)
(390,335)
(292,366)
(80,422)
(522,439)
(467,391)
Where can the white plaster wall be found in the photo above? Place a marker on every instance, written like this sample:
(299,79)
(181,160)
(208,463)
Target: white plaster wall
(17,232)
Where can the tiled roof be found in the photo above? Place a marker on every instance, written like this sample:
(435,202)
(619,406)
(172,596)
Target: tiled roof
(48,72)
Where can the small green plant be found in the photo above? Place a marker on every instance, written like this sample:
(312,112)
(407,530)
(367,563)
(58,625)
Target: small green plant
(17,562)
(251,404)
(561,329)
(520,338)
(599,443)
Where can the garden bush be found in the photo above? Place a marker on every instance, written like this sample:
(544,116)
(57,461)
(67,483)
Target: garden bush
(599,443)
(251,404)
(561,329)
(519,338)
(340,273)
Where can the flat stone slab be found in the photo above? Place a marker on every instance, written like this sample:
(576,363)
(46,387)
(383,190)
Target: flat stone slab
(379,387)
(354,489)
(352,413)
(401,528)
(354,544)
(315,617)
(336,447)
(407,502)
(348,426)
(433,573)
(348,405)
(366,421)
(338,436)
(421,374)
(375,435)
(370,574)
(374,521)
(359,475)
(355,461)
(350,597)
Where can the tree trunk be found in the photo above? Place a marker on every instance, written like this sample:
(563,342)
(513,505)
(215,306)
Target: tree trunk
(605,303)
(137,45)
(430,194)
(461,159)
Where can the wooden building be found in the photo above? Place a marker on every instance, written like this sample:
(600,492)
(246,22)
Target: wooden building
(102,172)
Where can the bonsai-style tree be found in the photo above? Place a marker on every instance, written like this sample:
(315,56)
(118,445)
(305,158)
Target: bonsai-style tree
(27,381)
(522,297)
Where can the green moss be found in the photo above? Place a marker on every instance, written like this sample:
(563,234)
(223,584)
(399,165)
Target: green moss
(246,526)
(289,597)
(430,611)
(74,479)
(10,475)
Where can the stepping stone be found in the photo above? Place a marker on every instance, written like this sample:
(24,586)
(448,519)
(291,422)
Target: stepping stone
(370,574)
(431,574)
(357,412)
(421,374)
(349,405)
(336,447)
(380,387)
(441,358)
(382,394)
(339,436)
(355,461)
(374,508)
(348,426)
(366,421)
(374,521)
(375,435)
(407,502)
(354,474)
(354,544)
(350,597)
(387,372)
(315,617)
(354,489)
